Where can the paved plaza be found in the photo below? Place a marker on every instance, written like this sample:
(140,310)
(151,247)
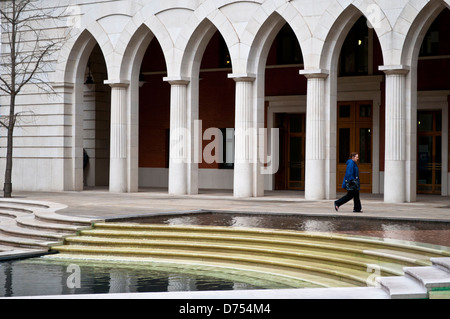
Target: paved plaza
(99,203)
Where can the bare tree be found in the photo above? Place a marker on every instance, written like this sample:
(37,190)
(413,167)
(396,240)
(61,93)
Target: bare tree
(28,40)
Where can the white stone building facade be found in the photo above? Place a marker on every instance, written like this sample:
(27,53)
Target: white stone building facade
(49,150)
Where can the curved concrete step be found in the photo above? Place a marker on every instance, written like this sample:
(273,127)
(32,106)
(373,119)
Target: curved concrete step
(441,263)
(10,252)
(308,257)
(403,287)
(52,217)
(26,242)
(34,226)
(268,248)
(420,282)
(31,222)
(380,251)
(299,267)
(294,278)
(12,213)
(284,235)
(12,229)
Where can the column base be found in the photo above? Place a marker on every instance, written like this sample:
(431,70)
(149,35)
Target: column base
(315,180)
(178,178)
(242,185)
(118,175)
(394,182)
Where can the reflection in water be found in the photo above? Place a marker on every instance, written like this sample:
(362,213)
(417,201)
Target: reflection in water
(239,221)
(189,220)
(41,276)
(318,226)
(395,231)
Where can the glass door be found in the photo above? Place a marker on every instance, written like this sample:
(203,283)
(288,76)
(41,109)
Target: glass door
(296,149)
(429,152)
(291,172)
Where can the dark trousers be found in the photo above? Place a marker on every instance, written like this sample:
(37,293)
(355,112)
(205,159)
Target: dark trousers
(350,194)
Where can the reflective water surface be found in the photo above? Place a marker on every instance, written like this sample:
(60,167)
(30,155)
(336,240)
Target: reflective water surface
(41,276)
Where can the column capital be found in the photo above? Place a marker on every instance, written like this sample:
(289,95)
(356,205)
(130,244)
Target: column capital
(242,77)
(117,83)
(177,80)
(394,69)
(315,73)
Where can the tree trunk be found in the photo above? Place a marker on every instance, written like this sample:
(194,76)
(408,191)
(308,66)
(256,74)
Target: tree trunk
(7,188)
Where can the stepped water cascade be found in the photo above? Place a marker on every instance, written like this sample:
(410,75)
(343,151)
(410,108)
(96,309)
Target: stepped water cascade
(272,258)
(296,258)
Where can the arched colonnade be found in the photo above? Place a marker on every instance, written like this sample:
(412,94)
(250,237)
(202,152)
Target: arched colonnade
(123,30)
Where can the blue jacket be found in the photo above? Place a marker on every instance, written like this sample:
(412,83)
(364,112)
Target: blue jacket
(351,172)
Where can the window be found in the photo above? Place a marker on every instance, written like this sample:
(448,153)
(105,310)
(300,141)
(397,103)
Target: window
(430,44)
(434,43)
(365,110)
(225,58)
(288,48)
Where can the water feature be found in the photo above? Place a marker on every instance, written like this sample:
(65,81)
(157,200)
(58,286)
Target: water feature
(429,232)
(44,276)
(40,276)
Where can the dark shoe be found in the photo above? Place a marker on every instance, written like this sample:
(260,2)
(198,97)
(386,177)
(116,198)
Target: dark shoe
(336,207)
(357,211)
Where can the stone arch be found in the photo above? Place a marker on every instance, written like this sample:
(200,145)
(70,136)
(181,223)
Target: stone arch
(134,53)
(69,80)
(195,47)
(74,56)
(194,39)
(335,38)
(129,74)
(379,22)
(408,59)
(89,22)
(418,29)
(130,65)
(333,29)
(262,42)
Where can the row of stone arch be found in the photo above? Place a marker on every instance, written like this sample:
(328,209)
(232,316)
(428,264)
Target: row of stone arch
(183,46)
(400,42)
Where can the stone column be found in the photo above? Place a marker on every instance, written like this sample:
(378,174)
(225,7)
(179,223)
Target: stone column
(89,135)
(245,138)
(180,137)
(316,140)
(119,137)
(395,141)
(71,178)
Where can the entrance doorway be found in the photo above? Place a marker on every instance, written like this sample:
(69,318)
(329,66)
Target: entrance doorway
(291,173)
(354,128)
(429,152)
